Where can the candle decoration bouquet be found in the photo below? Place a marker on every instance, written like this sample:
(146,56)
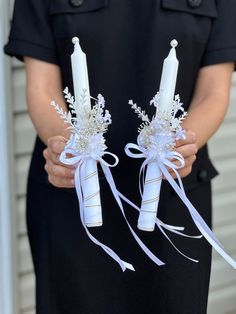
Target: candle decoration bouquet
(156,143)
(87,143)
(86,148)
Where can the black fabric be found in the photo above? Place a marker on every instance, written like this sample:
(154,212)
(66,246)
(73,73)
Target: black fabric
(75,276)
(125,42)
(31,33)
(221,46)
(205,8)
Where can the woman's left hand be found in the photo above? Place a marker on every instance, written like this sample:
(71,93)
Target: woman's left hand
(188,149)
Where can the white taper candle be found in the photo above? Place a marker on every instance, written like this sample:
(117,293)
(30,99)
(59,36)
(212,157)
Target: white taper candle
(168,79)
(80,77)
(90,184)
(150,199)
(153,178)
(91,192)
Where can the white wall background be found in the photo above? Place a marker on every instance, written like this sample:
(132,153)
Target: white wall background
(222,298)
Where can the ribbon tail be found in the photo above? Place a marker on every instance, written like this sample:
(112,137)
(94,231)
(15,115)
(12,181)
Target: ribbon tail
(176,230)
(170,226)
(79,174)
(172,243)
(117,194)
(193,212)
(160,224)
(200,223)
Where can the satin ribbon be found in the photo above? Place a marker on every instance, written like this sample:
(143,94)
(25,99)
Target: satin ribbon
(161,225)
(80,161)
(164,161)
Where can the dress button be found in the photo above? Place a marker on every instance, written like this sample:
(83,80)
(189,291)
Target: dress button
(194,3)
(76,3)
(203,175)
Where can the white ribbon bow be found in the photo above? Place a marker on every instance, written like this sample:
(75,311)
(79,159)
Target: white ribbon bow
(80,161)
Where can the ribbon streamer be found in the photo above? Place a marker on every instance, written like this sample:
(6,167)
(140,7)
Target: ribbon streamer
(80,161)
(161,225)
(164,161)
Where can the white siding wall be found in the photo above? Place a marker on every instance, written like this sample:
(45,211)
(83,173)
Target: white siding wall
(8,256)
(223,151)
(24,135)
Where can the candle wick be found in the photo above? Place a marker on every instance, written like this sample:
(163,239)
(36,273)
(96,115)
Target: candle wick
(174,43)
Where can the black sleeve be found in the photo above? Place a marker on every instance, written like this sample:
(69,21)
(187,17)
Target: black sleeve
(221,46)
(31,33)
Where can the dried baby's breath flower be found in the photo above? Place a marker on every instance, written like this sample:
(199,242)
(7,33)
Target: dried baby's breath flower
(160,133)
(141,113)
(88,127)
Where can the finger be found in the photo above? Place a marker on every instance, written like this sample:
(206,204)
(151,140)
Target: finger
(61,182)
(186,169)
(187,150)
(59,171)
(56,144)
(49,154)
(45,153)
(184,172)
(53,157)
(188,162)
(189,139)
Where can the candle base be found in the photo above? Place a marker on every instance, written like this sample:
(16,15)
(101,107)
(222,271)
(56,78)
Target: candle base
(145,228)
(96,224)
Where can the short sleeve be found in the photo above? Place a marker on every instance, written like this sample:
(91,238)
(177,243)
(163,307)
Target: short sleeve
(221,45)
(31,32)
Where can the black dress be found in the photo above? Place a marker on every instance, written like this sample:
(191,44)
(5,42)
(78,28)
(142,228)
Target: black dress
(125,42)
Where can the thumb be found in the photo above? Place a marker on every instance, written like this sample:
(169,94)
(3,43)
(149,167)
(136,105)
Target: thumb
(57,143)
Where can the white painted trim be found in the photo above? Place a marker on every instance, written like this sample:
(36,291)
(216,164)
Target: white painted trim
(8,293)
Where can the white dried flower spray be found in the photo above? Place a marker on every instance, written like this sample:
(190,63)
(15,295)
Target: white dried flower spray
(161,132)
(89,127)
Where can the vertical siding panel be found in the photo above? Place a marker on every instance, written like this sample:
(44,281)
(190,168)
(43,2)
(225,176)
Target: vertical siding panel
(222,298)
(24,135)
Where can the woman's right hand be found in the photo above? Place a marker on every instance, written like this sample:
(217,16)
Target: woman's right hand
(59,175)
